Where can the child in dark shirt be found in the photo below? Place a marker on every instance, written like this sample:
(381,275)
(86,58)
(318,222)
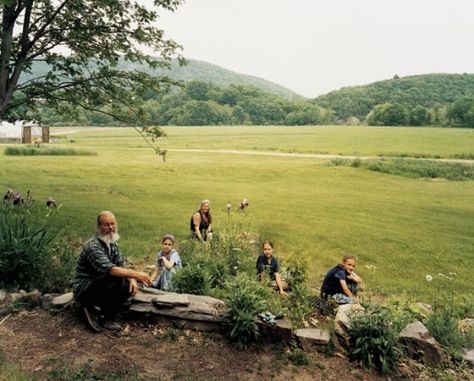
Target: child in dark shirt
(341,282)
(266,262)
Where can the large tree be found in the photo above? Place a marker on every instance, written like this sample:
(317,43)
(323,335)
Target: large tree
(79,44)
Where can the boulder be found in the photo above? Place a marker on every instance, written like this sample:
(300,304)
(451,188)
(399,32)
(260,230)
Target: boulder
(419,344)
(313,338)
(342,321)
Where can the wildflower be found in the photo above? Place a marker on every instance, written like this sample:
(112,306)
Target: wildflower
(429,278)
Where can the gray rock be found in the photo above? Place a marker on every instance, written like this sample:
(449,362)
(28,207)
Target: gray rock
(419,344)
(468,356)
(310,338)
(342,321)
(62,301)
(34,297)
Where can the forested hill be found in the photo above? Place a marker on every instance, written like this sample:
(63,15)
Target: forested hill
(430,90)
(193,71)
(206,72)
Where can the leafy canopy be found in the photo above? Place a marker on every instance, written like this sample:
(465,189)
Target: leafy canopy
(81,42)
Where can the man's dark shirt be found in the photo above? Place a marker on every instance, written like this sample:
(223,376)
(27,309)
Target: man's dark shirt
(94,263)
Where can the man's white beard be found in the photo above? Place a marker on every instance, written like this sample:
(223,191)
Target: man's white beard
(112,237)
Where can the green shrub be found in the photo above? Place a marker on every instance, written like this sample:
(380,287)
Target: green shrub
(29,256)
(429,169)
(39,151)
(245,299)
(299,305)
(297,273)
(191,279)
(373,338)
(356,163)
(415,168)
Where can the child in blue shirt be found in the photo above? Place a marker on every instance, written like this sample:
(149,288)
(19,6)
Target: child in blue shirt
(167,262)
(341,282)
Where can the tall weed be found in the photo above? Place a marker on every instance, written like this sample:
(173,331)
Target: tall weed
(444,328)
(29,257)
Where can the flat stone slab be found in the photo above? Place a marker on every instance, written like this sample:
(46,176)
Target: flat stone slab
(165,299)
(312,338)
(62,300)
(178,306)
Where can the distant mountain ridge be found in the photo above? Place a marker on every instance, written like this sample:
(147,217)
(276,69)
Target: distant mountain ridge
(193,71)
(217,75)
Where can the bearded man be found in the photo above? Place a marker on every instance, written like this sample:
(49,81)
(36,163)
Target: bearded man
(102,285)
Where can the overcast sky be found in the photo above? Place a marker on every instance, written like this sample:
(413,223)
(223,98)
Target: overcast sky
(315,46)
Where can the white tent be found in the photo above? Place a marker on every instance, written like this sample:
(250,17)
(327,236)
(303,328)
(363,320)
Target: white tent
(11,130)
(16,131)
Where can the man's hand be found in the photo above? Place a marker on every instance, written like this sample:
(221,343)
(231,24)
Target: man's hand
(143,277)
(133,288)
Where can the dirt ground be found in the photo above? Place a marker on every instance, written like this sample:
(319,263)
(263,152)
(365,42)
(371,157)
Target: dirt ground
(39,342)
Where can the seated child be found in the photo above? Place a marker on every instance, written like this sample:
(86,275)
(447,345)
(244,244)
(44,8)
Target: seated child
(341,282)
(167,261)
(267,263)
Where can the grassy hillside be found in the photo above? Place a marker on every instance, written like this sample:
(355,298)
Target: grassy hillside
(402,229)
(426,90)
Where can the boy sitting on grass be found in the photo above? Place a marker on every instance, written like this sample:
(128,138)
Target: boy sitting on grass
(341,282)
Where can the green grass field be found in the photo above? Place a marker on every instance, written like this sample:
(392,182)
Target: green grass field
(401,229)
(363,141)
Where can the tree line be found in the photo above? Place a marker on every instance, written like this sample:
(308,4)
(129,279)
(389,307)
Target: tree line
(199,103)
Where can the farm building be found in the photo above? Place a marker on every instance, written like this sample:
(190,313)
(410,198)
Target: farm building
(23,131)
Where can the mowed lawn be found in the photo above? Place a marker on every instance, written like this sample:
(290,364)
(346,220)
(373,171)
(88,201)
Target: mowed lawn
(401,229)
